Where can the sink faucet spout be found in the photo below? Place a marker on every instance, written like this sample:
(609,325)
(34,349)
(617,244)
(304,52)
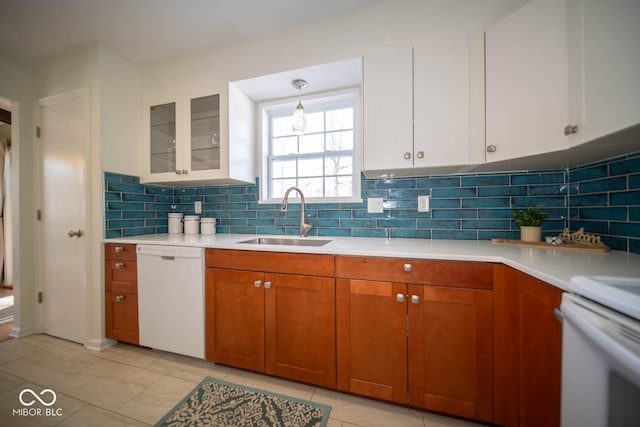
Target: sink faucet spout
(304,226)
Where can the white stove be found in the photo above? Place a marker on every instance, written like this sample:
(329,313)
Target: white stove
(601,352)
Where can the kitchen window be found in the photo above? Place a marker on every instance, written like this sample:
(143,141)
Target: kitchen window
(323,162)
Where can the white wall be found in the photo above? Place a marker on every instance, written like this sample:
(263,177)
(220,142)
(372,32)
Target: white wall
(16,94)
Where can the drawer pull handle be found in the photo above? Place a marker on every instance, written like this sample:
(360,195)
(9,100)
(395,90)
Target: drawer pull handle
(408,268)
(257,283)
(267,285)
(119,298)
(400,297)
(118,249)
(119,265)
(415,299)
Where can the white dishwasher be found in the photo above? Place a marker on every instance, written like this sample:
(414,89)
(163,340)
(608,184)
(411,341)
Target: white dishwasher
(171,298)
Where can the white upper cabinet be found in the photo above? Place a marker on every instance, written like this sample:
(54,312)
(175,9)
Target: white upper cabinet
(527,97)
(388,109)
(604,60)
(417,105)
(184,143)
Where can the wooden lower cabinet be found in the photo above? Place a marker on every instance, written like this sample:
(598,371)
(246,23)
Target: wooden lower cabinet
(281,324)
(528,350)
(121,293)
(422,345)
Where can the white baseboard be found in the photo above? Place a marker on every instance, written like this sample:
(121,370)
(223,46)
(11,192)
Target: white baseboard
(99,344)
(17,332)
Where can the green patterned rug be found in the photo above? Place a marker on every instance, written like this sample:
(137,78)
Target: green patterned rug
(218,403)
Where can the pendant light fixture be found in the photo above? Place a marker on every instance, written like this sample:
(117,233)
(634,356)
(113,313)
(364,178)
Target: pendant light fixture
(299,123)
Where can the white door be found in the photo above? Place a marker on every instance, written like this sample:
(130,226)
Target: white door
(63,133)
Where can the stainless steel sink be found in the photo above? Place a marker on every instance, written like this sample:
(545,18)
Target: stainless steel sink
(286,241)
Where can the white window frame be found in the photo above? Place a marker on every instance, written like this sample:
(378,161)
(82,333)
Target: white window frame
(315,102)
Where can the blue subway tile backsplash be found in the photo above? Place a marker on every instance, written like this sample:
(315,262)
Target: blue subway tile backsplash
(602,197)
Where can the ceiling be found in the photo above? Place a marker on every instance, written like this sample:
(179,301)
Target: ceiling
(148,30)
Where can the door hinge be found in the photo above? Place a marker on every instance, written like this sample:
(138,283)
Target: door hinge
(37,131)
(39,215)
(40,297)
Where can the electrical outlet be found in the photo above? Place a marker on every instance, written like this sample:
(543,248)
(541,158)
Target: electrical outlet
(198,207)
(374,205)
(423,203)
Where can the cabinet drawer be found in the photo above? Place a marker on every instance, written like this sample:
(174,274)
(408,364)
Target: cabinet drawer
(271,262)
(121,276)
(461,274)
(120,251)
(122,317)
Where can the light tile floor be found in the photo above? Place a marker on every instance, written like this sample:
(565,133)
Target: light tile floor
(131,386)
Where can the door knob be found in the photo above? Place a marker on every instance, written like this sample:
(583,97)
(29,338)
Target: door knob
(119,298)
(75,233)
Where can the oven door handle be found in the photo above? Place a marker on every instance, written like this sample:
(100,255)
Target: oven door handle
(620,355)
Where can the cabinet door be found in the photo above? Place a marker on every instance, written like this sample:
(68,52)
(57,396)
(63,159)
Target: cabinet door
(604,63)
(372,339)
(450,351)
(122,317)
(527,81)
(202,148)
(300,328)
(388,115)
(528,350)
(441,102)
(234,333)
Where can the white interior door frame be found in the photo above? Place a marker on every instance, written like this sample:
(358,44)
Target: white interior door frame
(14,108)
(39,201)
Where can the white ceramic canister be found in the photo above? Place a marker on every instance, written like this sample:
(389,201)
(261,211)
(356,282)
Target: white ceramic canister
(175,223)
(208,226)
(191,224)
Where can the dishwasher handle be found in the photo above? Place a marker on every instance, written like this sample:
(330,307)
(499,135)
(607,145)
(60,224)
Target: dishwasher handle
(168,258)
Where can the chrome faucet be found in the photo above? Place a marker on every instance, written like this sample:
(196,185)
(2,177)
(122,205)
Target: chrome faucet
(304,226)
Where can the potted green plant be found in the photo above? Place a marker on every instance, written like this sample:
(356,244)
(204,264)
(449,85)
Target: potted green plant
(530,220)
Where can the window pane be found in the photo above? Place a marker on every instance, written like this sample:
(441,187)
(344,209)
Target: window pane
(310,167)
(279,186)
(281,126)
(283,168)
(340,141)
(285,145)
(338,165)
(315,122)
(311,187)
(312,143)
(339,186)
(340,119)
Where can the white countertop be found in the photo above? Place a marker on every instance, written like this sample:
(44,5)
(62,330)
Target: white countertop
(554,266)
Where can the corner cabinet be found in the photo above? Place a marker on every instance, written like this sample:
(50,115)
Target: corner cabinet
(186,140)
(528,350)
(272,312)
(417,103)
(417,332)
(121,293)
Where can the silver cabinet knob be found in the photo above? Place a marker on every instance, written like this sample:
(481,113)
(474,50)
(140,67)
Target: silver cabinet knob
(569,129)
(420,154)
(408,268)
(75,233)
(491,148)
(185,171)
(178,172)
(118,249)
(407,155)
(267,285)
(119,265)
(119,298)
(257,283)
(400,297)
(415,299)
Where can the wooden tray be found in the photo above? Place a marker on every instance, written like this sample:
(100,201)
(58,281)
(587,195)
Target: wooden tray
(568,246)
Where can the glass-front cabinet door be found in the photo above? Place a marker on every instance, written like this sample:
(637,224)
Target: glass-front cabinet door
(205,133)
(163,138)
